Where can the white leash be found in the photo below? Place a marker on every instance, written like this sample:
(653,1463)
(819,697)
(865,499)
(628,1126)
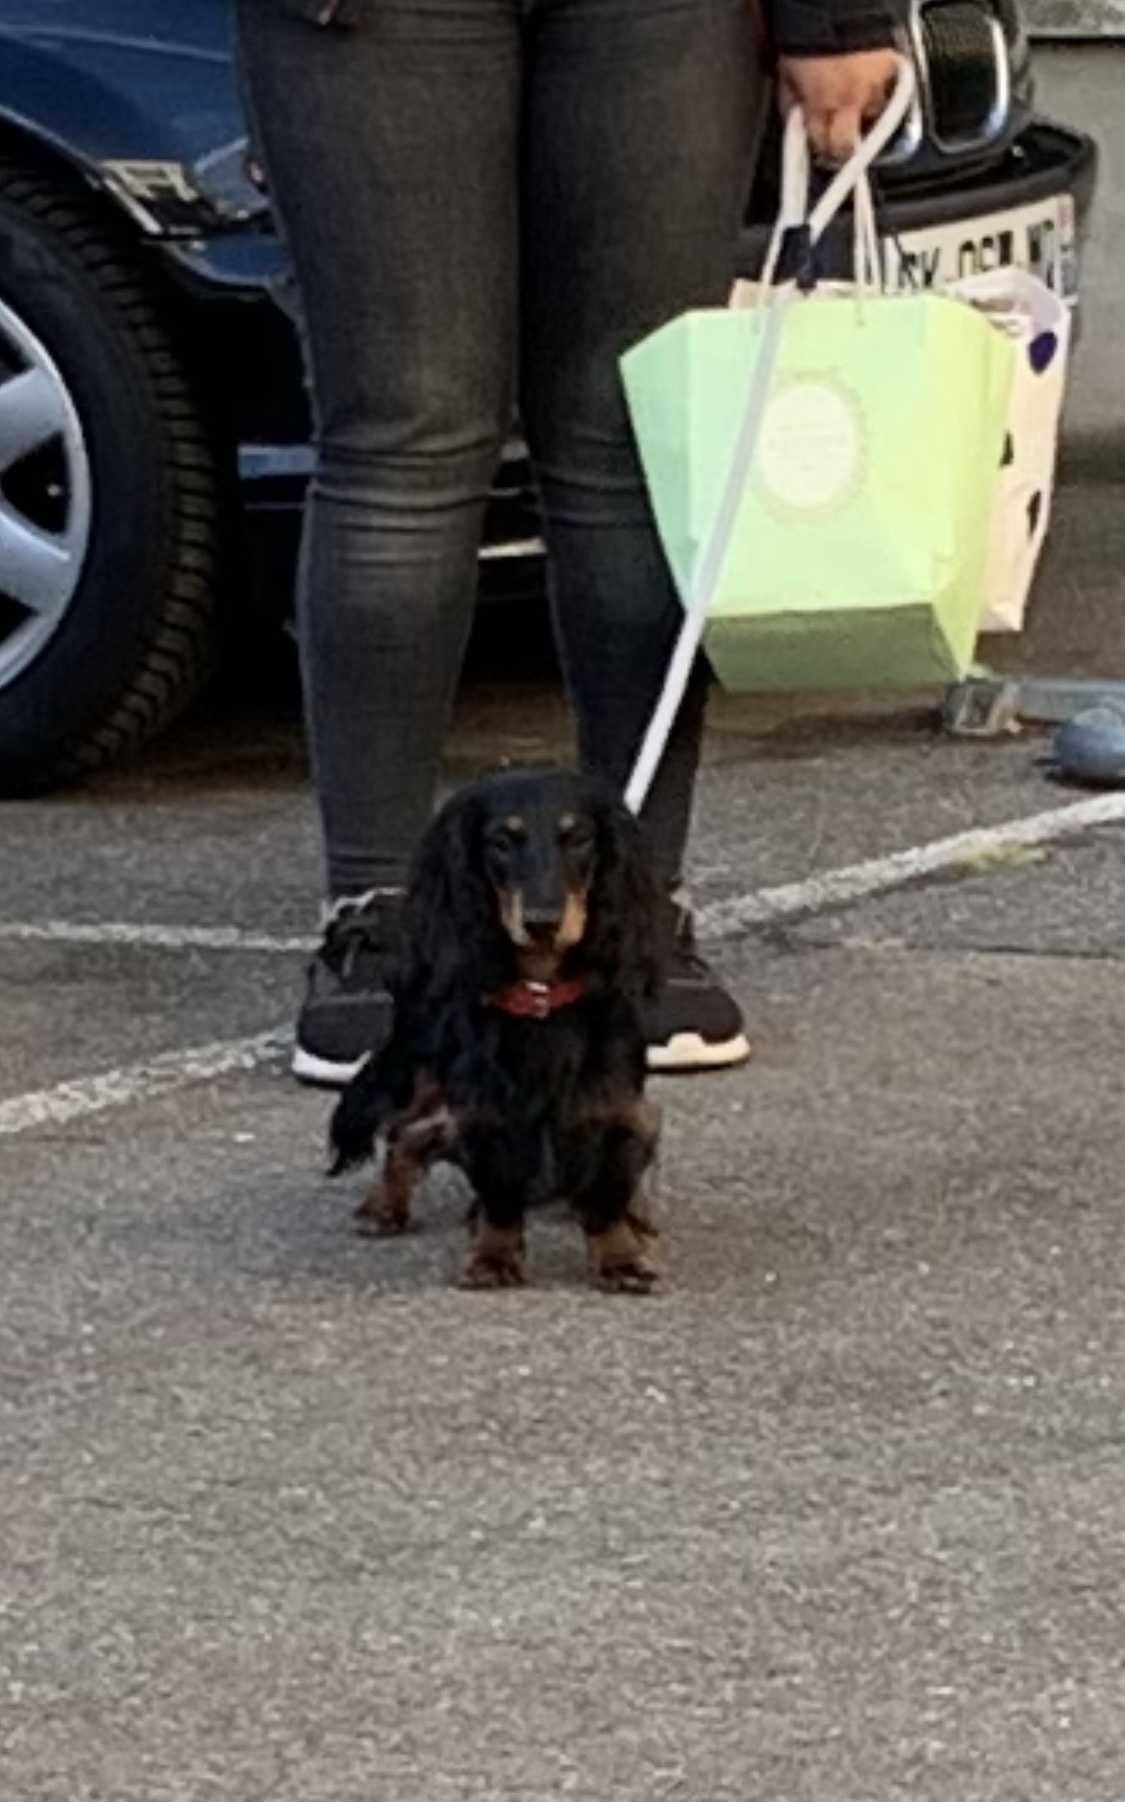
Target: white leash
(774,307)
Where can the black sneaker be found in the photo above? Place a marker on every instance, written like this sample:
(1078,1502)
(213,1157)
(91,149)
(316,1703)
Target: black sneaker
(693,1023)
(346,1013)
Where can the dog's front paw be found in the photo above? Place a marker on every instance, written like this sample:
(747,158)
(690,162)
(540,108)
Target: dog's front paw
(619,1261)
(496,1259)
(383,1214)
(636,1276)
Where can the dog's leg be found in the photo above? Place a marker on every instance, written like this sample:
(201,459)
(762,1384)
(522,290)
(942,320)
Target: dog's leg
(385,1211)
(613,1152)
(501,1169)
(497,1256)
(411,1147)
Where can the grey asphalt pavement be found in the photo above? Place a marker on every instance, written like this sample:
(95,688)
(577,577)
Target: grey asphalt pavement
(839,1516)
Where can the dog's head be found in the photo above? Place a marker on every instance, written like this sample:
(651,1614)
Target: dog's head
(540,844)
(525,871)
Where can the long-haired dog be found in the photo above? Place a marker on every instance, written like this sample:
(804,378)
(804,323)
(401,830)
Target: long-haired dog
(517,1052)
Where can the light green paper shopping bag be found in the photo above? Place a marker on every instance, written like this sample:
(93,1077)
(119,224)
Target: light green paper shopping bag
(857,551)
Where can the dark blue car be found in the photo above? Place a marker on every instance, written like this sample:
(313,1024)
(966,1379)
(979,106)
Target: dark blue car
(151,403)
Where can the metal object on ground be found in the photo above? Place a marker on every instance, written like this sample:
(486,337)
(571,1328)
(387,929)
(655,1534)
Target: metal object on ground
(986,706)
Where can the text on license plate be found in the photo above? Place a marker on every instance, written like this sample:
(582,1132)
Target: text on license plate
(1040,238)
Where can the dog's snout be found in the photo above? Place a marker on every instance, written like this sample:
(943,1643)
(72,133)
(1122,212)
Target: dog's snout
(547,917)
(537,922)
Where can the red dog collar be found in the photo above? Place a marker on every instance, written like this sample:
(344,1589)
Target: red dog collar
(536,1000)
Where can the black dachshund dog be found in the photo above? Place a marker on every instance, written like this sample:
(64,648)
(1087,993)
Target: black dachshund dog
(527,951)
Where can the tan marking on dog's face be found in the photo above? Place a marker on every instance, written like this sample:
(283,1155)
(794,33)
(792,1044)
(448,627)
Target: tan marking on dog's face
(511,916)
(538,948)
(572,926)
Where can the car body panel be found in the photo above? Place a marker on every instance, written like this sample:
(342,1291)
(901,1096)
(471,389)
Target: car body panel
(153,115)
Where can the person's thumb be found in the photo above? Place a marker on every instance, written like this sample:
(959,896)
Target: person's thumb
(843,131)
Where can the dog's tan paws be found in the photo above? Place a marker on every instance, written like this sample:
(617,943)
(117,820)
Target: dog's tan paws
(379,1218)
(638,1277)
(509,1272)
(619,1262)
(496,1260)
(369,1228)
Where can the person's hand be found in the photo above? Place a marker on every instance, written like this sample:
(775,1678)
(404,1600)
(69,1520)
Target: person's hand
(839,95)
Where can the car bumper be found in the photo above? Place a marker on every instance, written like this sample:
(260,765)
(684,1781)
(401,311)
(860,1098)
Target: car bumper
(1049,162)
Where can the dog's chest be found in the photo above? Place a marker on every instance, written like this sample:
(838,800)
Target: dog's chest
(546,1064)
(545,1061)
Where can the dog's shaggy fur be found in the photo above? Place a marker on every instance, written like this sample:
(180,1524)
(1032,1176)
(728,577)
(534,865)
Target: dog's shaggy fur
(527,952)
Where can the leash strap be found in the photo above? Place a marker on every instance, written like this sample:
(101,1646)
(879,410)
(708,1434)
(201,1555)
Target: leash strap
(775,306)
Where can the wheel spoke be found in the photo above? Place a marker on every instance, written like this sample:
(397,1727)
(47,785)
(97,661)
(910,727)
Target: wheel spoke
(45,501)
(37,569)
(32,411)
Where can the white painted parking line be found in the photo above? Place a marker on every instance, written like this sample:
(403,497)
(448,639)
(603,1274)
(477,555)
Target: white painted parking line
(149,938)
(143,1081)
(859,881)
(172,1070)
(715,920)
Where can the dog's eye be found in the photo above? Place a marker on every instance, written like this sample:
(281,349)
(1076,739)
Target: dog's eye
(573,832)
(506,835)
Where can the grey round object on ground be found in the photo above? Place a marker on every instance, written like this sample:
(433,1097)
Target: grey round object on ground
(1091,747)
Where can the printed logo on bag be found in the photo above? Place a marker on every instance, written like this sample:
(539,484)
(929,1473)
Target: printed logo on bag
(812,452)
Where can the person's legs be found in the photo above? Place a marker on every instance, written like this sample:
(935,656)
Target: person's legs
(390,139)
(641,126)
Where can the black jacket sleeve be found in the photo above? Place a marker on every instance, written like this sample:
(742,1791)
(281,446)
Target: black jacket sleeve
(829,27)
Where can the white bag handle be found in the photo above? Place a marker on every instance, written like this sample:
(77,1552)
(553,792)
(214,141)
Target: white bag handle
(705,578)
(793,210)
(793,213)
(852,177)
(870,274)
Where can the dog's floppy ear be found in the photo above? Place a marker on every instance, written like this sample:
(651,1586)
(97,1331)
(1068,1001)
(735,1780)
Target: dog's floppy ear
(621,940)
(449,911)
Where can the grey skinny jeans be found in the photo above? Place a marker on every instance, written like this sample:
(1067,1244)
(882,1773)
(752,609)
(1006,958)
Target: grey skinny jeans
(485,201)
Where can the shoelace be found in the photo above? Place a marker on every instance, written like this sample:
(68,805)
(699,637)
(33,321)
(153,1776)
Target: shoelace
(686,960)
(352,936)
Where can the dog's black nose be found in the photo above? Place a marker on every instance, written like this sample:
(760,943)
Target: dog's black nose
(542,925)
(542,919)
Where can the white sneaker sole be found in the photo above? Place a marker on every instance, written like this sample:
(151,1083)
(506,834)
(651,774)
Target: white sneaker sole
(687,1051)
(320,1072)
(679,1055)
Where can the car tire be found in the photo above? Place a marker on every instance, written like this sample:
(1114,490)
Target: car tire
(124,644)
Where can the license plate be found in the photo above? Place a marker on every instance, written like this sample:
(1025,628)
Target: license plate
(1040,238)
